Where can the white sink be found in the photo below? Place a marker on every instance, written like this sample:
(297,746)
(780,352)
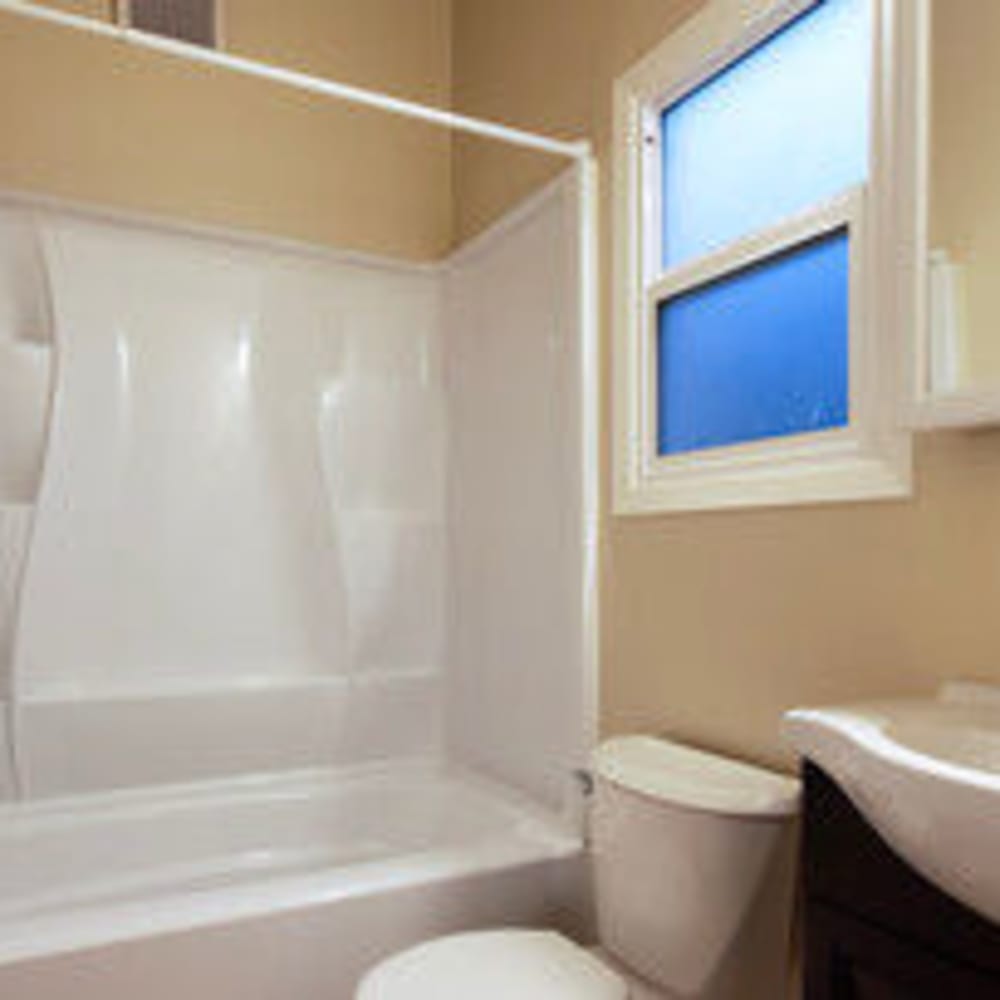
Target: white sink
(926,775)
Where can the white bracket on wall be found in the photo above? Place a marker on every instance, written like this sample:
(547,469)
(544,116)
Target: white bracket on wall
(945,361)
(945,397)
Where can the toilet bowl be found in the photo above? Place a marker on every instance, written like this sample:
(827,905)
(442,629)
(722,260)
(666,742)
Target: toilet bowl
(509,964)
(693,859)
(522,964)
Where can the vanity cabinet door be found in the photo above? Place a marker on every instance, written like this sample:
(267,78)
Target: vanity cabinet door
(875,928)
(848,959)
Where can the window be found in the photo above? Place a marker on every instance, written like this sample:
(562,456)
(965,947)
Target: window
(768,252)
(194,21)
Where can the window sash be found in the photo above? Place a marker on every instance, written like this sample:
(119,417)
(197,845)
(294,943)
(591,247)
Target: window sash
(844,212)
(779,17)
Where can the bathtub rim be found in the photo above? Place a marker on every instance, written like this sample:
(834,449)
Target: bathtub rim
(537,837)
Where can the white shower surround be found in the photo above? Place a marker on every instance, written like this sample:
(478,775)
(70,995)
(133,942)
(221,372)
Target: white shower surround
(405,580)
(215,552)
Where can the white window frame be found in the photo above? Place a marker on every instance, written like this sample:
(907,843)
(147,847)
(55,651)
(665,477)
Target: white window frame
(870,458)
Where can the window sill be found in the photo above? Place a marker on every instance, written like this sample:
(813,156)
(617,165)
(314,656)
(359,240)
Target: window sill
(812,478)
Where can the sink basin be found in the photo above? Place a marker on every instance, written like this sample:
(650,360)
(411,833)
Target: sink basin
(926,774)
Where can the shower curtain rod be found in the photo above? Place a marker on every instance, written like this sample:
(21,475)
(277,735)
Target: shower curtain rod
(301,81)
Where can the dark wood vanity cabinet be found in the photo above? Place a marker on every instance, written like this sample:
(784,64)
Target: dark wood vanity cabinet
(874,928)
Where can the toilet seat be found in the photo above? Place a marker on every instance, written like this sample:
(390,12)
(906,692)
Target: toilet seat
(494,965)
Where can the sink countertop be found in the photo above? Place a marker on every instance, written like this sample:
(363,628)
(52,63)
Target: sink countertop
(925,772)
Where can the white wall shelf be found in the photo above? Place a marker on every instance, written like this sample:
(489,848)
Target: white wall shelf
(961,400)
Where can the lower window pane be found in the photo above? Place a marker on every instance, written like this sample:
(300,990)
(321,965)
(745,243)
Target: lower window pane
(761,353)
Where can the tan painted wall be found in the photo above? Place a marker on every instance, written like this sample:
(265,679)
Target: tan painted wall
(89,119)
(545,65)
(714,624)
(967,136)
(88,8)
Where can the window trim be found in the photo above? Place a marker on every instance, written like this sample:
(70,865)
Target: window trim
(871,458)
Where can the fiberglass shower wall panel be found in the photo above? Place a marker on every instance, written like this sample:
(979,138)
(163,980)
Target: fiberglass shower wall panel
(516,680)
(25,375)
(25,357)
(205,596)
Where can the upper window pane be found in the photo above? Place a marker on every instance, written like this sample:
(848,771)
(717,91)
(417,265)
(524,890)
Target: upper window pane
(784,128)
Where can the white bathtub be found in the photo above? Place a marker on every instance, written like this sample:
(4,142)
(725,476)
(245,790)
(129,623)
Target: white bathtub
(273,887)
(282,450)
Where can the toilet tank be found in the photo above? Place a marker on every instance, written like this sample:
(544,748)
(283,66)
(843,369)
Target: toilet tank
(694,869)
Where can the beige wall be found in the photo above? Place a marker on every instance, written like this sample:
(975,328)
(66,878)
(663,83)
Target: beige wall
(967,137)
(89,119)
(545,65)
(714,624)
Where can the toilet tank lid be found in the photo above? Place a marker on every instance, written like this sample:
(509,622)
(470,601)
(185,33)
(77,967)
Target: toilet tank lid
(668,771)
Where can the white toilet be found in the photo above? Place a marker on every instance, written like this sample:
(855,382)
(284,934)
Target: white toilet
(694,870)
